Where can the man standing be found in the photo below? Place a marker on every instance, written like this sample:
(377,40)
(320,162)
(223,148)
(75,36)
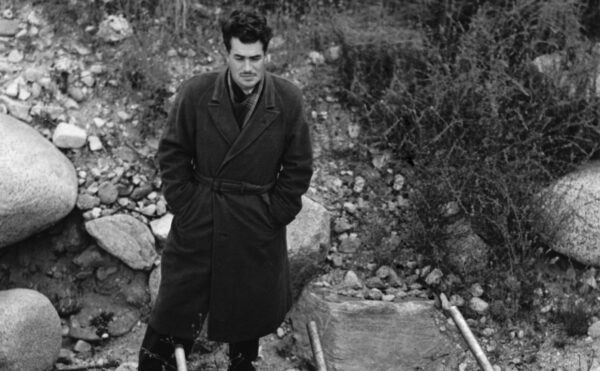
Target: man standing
(235,159)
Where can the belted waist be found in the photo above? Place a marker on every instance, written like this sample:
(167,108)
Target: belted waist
(232,186)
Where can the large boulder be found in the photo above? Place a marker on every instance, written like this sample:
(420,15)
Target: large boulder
(569,215)
(310,229)
(126,238)
(38,184)
(358,335)
(30,331)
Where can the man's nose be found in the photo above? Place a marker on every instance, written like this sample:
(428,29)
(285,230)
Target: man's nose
(246,64)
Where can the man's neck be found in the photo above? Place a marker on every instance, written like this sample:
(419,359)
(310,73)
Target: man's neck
(239,92)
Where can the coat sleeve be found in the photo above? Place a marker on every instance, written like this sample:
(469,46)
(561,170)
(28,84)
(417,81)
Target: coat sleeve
(296,168)
(176,151)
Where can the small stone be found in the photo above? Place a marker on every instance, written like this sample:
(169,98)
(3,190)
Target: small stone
(350,244)
(488,332)
(15,56)
(398,182)
(280,332)
(99,122)
(434,278)
(388,298)
(97,69)
(24,94)
(124,189)
(36,90)
(148,210)
(12,89)
(161,227)
(103,273)
(88,79)
(94,143)
(8,14)
(374,294)
(65,356)
(124,116)
(316,58)
(34,19)
(350,207)
(457,300)
(87,202)
(594,330)
(17,108)
(333,54)
(352,281)
(353,130)
(69,136)
(476,290)
(108,193)
(76,93)
(359,184)
(337,260)
(341,225)
(374,282)
(82,347)
(161,207)
(450,209)
(141,191)
(478,305)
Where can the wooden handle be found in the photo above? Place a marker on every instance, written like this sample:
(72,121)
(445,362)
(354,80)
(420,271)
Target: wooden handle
(315,343)
(180,358)
(467,334)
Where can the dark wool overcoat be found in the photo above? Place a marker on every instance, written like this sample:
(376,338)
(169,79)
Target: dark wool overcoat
(226,254)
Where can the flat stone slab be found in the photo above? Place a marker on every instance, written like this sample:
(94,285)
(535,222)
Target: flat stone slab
(359,335)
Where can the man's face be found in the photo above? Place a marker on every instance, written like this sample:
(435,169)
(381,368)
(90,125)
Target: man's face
(246,63)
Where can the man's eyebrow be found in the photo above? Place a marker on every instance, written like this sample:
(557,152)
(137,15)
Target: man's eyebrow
(247,56)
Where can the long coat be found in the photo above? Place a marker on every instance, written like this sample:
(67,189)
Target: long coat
(226,254)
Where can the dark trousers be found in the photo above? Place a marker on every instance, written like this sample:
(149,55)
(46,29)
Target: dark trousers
(157,352)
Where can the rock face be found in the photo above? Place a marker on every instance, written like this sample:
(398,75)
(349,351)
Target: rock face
(38,184)
(372,335)
(30,331)
(310,228)
(569,215)
(126,238)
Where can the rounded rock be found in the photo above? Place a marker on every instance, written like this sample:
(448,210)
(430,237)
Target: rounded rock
(36,194)
(30,331)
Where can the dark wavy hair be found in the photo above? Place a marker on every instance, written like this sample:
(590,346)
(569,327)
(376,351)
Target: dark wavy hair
(248,26)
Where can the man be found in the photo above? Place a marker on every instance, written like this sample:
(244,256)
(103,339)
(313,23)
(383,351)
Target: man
(235,159)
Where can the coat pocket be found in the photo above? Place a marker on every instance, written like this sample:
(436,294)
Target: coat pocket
(266,200)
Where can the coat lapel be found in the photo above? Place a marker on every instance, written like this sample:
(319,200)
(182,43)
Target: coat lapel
(221,111)
(264,115)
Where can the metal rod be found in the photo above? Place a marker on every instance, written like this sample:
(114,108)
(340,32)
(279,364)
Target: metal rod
(315,342)
(180,358)
(467,334)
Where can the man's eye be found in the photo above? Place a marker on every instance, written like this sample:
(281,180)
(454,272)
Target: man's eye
(255,59)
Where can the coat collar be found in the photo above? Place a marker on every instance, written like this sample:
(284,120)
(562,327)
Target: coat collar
(221,112)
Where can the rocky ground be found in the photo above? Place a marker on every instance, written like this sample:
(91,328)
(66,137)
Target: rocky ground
(73,85)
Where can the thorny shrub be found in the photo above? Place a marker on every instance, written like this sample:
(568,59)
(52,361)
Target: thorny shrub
(480,125)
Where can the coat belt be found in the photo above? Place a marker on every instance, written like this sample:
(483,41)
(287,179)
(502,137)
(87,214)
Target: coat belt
(220,185)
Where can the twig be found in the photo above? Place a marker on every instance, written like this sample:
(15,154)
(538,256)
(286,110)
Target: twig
(88,366)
